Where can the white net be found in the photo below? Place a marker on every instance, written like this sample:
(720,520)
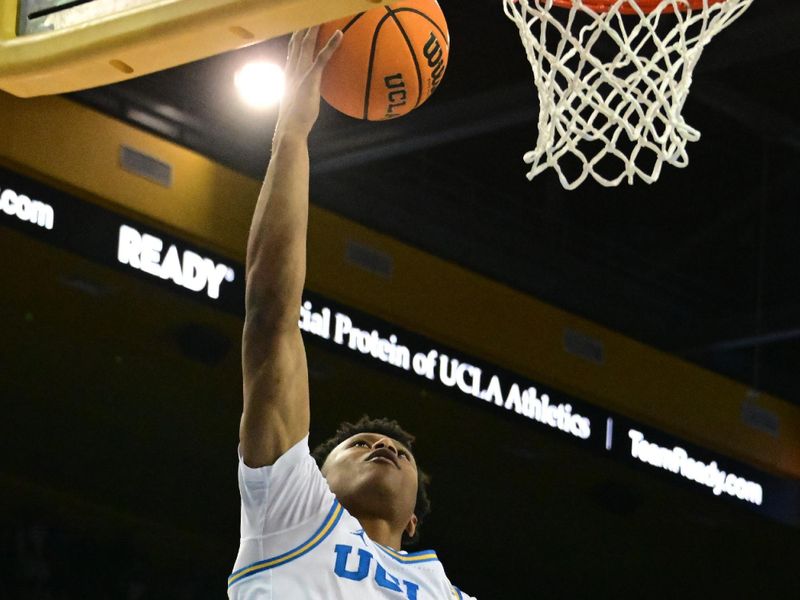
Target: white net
(612,86)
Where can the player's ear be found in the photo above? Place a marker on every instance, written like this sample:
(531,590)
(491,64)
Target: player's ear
(411,528)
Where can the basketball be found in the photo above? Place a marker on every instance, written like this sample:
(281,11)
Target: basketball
(391,59)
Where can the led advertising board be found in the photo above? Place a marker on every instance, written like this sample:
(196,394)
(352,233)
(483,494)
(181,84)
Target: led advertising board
(115,241)
(173,264)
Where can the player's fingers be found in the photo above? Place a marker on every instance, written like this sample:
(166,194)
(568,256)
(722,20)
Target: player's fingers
(307,48)
(294,50)
(328,51)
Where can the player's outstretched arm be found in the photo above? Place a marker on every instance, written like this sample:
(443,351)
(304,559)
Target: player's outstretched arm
(276,407)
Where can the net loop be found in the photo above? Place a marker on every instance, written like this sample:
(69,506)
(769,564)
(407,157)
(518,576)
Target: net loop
(612,77)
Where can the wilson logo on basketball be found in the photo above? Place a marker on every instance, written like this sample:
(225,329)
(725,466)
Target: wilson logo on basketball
(433,53)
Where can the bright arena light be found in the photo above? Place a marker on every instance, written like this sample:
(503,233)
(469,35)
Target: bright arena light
(260,84)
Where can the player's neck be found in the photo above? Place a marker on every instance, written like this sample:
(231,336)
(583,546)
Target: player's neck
(383,532)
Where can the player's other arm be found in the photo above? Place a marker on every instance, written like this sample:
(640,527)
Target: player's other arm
(275,375)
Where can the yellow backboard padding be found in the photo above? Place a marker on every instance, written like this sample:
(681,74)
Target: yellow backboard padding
(8,20)
(153,37)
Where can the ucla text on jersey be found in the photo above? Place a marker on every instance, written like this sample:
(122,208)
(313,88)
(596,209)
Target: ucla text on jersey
(299,542)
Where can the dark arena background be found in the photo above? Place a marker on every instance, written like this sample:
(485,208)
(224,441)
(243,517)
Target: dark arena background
(604,383)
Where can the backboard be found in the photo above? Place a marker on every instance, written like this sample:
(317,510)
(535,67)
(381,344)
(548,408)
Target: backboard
(58,46)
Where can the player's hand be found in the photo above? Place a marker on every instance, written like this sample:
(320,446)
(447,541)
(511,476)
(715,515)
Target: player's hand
(300,105)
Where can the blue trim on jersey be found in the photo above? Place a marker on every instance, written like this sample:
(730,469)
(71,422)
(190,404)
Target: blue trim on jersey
(320,534)
(458,591)
(410,557)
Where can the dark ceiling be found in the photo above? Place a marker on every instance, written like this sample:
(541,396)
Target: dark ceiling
(701,263)
(115,428)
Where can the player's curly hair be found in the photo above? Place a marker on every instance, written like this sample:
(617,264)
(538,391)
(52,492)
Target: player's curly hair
(393,429)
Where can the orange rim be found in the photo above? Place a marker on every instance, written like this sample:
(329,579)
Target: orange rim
(647,6)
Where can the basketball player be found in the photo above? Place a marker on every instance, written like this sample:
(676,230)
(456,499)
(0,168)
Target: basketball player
(309,533)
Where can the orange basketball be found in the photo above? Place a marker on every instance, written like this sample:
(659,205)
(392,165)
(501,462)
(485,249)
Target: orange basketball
(390,61)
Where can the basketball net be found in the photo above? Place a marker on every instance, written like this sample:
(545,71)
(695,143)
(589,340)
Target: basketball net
(612,78)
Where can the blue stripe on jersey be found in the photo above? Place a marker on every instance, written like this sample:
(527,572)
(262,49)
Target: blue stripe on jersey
(458,591)
(325,529)
(411,557)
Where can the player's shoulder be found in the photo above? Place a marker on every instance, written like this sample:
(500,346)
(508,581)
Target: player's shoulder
(457,593)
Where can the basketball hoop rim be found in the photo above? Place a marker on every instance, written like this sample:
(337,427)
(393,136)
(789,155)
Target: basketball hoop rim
(646,6)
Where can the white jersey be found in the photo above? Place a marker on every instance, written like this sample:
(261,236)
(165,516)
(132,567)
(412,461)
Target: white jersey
(299,543)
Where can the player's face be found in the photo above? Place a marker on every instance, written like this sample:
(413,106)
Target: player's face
(369,471)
